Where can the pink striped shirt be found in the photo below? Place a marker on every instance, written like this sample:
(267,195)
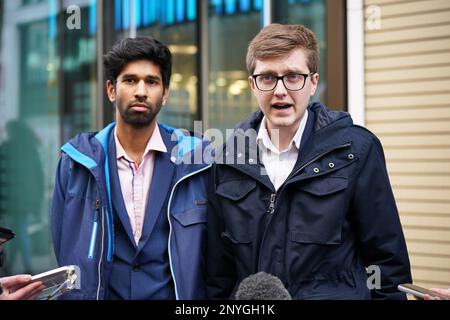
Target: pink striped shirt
(135,181)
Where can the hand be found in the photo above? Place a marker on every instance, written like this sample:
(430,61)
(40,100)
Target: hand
(441,294)
(17,288)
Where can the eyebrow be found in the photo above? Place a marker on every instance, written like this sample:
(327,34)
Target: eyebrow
(284,73)
(148,77)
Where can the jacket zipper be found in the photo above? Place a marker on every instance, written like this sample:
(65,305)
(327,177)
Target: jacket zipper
(100,260)
(93,240)
(271,209)
(274,196)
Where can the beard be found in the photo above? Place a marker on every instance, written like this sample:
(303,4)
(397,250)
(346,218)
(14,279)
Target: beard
(139,119)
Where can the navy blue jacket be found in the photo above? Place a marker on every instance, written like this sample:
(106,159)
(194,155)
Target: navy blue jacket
(82,222)
(334,216)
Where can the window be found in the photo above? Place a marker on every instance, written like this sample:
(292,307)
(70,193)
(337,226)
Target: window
(232,25)
(326,18)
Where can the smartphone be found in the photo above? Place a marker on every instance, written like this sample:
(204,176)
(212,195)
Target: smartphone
(57,276)
(6,235)
(416,291)
(58,281)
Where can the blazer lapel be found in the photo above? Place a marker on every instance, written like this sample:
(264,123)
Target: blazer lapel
(163,172)
(116,191)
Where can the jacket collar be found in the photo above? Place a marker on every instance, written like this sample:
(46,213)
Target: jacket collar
(324,130)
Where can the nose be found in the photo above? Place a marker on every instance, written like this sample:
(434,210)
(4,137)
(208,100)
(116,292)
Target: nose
(280,89)
(141,91)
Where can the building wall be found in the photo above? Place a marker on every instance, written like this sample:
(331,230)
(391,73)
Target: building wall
(407,67)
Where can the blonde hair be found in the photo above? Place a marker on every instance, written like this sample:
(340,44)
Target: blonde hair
(277,40)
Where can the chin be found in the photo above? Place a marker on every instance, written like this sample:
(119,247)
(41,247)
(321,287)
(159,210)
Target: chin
(282,123)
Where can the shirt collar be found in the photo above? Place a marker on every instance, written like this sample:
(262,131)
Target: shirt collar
(263,135)
(155,143)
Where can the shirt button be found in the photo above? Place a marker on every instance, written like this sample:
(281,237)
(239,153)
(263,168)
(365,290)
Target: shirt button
(136,268)
(331,165)
(350,156)
(316,170)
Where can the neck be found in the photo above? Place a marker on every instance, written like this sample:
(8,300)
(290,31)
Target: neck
(281,137)
(134,139)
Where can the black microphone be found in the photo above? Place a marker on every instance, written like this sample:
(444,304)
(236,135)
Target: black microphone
(262,286)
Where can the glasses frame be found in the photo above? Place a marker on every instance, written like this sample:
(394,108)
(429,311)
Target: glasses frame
(305,75)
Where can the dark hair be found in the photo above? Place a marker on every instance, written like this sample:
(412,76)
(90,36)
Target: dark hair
(276,40)
(133,49)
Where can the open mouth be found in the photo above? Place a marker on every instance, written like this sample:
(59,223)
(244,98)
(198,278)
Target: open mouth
(281,106)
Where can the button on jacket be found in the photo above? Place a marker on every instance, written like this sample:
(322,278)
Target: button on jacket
(332,218)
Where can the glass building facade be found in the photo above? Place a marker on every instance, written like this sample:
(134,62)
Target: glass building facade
(51,85)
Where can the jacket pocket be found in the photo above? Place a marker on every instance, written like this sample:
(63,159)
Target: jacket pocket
(313,237)
(235,189)
(192,216)
(241,239)
(320,209)
(240,205)
(323,186)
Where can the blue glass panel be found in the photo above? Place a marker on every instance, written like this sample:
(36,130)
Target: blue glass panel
(156,10)
(218,5)
(146,13)
(230,7)
(191,9)
(93,17)
(258,5)
(138,13)
(170,11)
(244,5)
(52,18)
(126,14)
(118,12)
(180,10)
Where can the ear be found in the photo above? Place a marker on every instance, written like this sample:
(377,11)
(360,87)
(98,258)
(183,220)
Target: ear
(165,96)
(251,83)
(314,84)
(111,91)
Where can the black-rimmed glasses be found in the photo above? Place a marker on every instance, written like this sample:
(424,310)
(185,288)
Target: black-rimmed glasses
(291,81)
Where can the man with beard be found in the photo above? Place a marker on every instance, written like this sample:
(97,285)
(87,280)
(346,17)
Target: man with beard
(125,210)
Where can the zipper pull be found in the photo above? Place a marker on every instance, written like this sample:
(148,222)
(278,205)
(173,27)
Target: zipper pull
(272,203)
(97,209)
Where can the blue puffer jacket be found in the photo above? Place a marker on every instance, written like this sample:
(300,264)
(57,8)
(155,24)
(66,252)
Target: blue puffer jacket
(82,222)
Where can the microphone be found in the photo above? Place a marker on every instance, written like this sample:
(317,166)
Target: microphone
(262,286)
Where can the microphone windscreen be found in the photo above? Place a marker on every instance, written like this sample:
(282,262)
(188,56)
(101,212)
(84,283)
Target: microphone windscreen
(262,286)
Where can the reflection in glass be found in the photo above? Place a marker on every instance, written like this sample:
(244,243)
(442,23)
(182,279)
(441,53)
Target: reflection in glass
(232,25)
(79,74)
(312,14)
(29,131)
(45,72)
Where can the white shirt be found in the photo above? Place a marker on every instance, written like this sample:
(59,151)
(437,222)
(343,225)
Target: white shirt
(279,164)
(135,180)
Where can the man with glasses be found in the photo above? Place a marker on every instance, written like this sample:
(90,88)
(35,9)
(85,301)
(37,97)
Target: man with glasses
(299,191)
